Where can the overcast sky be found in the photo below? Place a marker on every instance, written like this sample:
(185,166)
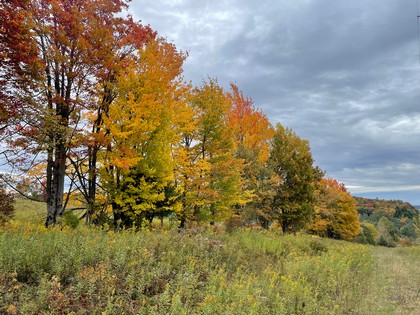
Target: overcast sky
(344,75)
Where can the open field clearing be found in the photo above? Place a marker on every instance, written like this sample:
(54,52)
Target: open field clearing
(197,271)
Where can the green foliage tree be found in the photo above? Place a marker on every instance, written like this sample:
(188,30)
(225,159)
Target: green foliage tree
(387,233)
(292,161)
(218,178)
(408,230)
(368,234)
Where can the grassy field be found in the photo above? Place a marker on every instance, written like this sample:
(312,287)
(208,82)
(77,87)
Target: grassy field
(199,271)
(397,280)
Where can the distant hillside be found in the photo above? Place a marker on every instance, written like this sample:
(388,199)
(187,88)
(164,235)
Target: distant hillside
(388,222)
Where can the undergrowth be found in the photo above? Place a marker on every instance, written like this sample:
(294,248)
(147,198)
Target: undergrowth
(88,271)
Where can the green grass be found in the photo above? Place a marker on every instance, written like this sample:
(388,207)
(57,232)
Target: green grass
(248,272)
(199,271)
(30,211)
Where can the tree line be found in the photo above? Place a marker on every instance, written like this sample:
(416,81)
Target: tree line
(94,102)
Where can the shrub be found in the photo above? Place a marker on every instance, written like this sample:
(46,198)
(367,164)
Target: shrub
(89,271)
(233,223)
(70,219)
(318,247)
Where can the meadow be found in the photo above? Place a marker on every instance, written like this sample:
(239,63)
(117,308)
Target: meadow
(197,271)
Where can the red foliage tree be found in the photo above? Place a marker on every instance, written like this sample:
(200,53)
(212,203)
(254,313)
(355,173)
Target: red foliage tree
(56,55)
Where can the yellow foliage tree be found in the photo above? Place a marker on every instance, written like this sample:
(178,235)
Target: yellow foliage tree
(142,130)
(335,211)
(211,174)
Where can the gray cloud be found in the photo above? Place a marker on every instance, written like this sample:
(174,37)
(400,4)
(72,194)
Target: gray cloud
(342,74)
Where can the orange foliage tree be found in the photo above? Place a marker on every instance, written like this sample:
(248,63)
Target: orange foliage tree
(250,126)
(252,135)
(335,211)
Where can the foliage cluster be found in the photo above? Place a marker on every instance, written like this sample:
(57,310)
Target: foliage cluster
(96,102)
(195,272)
(388,222)
(336,213)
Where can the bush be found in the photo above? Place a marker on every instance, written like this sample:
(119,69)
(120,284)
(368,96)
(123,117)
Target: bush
(317,247)
(7,209)
(233,223)
(70,219)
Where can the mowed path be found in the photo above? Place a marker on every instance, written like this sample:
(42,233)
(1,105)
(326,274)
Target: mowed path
(396,284)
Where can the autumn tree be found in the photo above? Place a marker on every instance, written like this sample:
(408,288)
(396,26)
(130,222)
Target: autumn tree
(212,176)
(292,161)
(12,32)
(252,137)
(335,211)
(52,80)
(142,129)
(250,126)
(117,46)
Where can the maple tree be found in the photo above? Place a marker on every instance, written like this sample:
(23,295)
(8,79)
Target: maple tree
(142,129)
(250,126)
(335,211)
(292,161)
(16,50)
(212,174)
(53,81)
(116,48)
(252,137)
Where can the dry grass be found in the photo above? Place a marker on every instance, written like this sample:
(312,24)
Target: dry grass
(397,283)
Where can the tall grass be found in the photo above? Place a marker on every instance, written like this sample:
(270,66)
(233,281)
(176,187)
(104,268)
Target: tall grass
(247,272)
(30,211)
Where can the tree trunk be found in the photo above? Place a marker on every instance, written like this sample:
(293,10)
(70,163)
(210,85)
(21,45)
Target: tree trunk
(56,169)
(92,177)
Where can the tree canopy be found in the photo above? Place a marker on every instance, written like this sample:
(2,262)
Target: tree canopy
(94,107)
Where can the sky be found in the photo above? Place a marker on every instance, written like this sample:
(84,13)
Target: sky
(345,75)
